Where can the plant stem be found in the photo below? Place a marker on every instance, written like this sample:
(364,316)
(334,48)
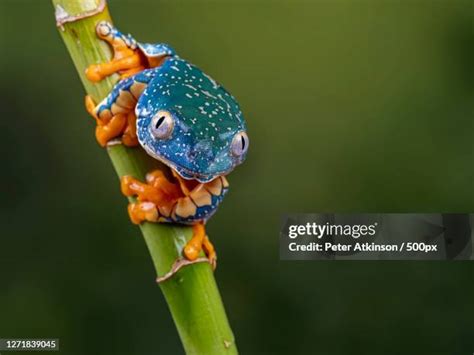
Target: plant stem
(191,292)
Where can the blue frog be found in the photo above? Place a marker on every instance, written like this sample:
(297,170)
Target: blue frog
(179,116)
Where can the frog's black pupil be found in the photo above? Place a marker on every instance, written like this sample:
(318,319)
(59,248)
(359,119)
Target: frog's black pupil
(243,142)
(159,122)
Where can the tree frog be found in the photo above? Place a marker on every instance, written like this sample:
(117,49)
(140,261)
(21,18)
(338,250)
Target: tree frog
(178,115)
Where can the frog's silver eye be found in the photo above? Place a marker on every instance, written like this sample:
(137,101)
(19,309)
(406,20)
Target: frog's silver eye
(162,125)
(240,144)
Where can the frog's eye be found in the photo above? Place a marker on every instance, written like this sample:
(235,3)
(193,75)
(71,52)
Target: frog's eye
(240,144)
(162,125)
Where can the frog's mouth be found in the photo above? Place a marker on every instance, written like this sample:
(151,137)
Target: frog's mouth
(183,172)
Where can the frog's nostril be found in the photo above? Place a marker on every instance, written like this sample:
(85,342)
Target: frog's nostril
(192,154)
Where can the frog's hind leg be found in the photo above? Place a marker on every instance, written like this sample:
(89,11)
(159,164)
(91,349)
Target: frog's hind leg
(127,59)
(210,251)
(200,241)
(115,115)
(129,137)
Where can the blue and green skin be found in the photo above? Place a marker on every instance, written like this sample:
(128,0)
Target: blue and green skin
(178,115)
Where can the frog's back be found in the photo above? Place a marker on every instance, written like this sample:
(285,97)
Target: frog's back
(181,86)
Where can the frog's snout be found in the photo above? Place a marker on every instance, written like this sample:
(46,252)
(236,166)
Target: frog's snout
(206,162)
(200,154)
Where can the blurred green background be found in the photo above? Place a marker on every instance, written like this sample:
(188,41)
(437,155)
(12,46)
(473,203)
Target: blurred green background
(351,105)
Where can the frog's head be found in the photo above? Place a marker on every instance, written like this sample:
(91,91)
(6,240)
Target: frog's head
(192,124)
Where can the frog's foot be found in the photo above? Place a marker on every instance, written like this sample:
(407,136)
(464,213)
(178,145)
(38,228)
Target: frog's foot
(143,211)
(143,191)
(156,198)
(210,252)
(90,107)
(110,126)
(126,59)
(197,243)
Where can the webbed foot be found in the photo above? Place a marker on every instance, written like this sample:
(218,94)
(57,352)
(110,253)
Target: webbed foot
(126,59)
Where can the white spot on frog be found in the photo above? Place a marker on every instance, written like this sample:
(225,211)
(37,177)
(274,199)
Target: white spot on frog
(208,94)
(190,86)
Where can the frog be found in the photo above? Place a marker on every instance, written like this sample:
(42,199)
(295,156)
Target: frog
(179,116)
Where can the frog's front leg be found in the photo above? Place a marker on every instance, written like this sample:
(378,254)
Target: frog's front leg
(144,192)
(159,200)
(115,115)
(155,198)
(126,58)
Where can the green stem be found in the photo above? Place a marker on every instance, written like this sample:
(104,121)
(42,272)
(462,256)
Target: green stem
(191,292)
